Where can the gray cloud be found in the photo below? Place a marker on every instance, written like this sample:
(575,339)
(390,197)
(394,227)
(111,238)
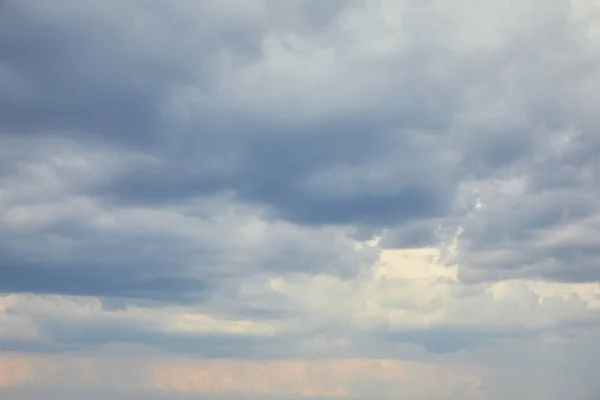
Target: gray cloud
(121,103)
(545,224)
(155,153)
(449,340)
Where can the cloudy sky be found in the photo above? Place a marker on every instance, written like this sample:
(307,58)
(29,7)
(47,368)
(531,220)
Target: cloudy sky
(299,199)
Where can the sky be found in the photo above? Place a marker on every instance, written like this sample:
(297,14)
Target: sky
(299,199)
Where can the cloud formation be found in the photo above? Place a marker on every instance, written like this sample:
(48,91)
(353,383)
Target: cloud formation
(314,199)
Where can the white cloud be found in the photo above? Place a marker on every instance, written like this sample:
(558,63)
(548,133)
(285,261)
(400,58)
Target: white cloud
(411,289)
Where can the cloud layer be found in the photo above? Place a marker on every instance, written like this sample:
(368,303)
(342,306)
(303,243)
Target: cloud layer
(314,199)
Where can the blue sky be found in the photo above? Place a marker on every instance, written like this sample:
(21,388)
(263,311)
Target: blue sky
(299,199)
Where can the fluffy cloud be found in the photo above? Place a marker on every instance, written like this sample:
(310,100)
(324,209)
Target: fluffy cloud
(397,190)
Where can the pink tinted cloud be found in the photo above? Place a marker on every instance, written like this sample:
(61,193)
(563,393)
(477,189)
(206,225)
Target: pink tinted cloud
(305,378)
(319,378)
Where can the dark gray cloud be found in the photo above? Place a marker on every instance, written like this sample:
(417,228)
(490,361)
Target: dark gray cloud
(91,75)
(103,70)
(545,223)
(106,264)
(419,233)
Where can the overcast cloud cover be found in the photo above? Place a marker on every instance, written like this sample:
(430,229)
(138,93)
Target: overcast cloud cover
(288,199)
